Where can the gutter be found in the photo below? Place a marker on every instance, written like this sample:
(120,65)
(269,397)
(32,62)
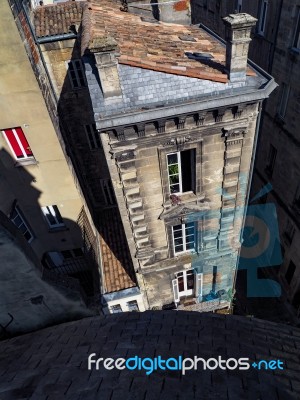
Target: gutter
(192,107)
(55,38)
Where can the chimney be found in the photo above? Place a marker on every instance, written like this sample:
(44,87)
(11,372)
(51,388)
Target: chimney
(177,13)
(237,35)
(105,50)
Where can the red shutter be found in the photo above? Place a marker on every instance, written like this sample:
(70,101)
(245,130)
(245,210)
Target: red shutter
(13,142)
(24,142)
(18,142)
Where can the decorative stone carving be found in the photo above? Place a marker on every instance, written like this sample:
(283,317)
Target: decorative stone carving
(200,118)
(181,121)
(140,129)
(161,126)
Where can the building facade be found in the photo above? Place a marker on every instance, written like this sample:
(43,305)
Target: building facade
(40,192)
(275,47)
(162,137)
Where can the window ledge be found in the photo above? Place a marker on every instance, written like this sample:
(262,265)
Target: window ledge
(185,198)
(28,161)
(58,229)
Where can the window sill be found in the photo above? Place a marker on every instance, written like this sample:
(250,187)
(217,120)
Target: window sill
(28,161)
(58,229)
(185,198)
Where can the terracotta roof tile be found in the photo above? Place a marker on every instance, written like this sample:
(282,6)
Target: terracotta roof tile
(118,271)
(157,46)
(56,19)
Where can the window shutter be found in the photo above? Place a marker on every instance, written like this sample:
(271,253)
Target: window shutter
(175,290)
(199,281)
(24,142)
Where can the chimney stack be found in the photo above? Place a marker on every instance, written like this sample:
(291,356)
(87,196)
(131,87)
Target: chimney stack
(237,35)
(176,13)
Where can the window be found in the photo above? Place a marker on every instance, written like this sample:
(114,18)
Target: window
(20,223)
(262,16)
(187,283)
(132,305)
(238,5)
(17,143)
(181,171)
(73,253)
(93,136)
(271,160)
(116,309)
(283,100)
(184,237)
(76,74)
(53,217)
(296,39)
(290,272)
(108,192)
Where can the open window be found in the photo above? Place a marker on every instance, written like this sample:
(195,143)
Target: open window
(187,284)
(182,171)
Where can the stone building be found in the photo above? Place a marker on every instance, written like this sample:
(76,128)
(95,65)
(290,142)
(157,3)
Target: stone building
(275,47)
(40,192)
(161,124)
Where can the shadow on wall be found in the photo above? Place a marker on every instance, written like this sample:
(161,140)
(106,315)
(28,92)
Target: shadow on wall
(75,112)
(27,300)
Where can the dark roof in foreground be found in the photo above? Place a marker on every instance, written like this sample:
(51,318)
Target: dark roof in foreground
(52,363)
(56,19)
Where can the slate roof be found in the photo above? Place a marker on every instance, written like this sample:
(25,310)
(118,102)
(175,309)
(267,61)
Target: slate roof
(52,363)
(156,46)
(118,271)
(56,19)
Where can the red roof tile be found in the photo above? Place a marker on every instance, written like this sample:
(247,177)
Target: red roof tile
(157,47)
(56,19)
(118,271)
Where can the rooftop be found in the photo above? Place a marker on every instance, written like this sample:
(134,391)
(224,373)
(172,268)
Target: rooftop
(52,363)
(57,19)
(165,47)
(117,264)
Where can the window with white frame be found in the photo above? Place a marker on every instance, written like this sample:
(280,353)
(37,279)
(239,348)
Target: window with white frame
(296,38)
(18,143)
(132,305)
(285,92)
(52,216)
(181,171)
(108,192)
(116,309)
(92,136)
(187,283)
(262,17)
(17,218)
(76,74)
(184,237)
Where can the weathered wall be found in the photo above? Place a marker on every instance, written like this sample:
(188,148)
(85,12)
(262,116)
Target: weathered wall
(48,181)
